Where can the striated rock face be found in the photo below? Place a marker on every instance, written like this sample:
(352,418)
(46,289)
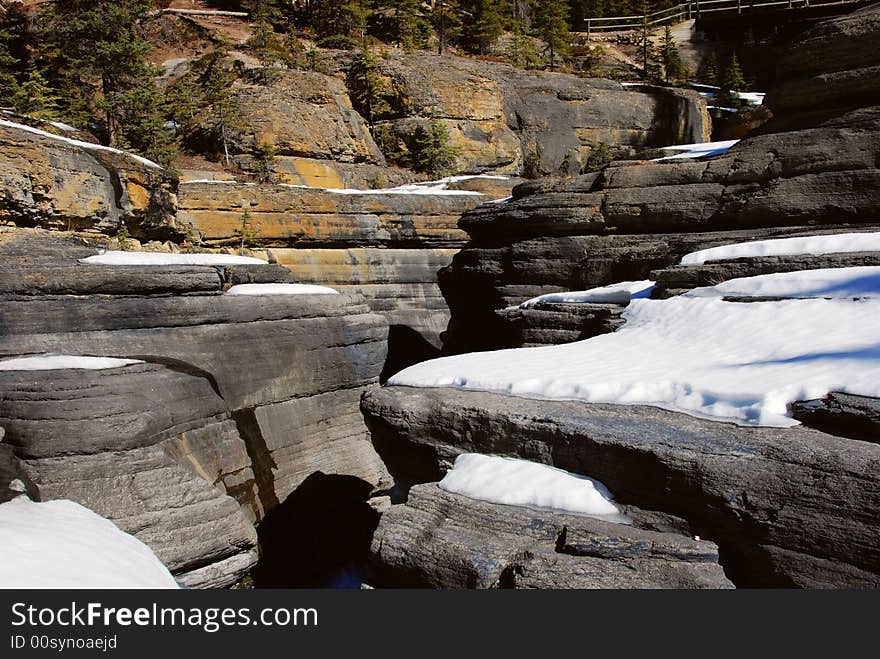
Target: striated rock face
(287,216)
(638,217)
(505,119)
(55,184)
(443,540)
(771,499)
(833,65)
(241,399)
(400,284)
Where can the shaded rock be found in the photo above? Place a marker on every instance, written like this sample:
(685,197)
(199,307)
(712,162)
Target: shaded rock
(832,64)
(845,415)
(55,184)
(13,479)
(444,540)
(787,507)
(548,323)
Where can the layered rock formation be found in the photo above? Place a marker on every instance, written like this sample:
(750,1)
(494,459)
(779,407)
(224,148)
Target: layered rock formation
(443,540)
(59,183)
(240,399)
(503,119)
(770,499)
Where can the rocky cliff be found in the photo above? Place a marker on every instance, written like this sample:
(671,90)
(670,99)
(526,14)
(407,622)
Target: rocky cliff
(70,185)
(237,402)
(503,119)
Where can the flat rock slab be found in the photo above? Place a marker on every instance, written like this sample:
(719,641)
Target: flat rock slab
(787,507)
(444,540)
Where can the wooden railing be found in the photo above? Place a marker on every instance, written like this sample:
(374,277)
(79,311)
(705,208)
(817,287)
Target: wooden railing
(696,8)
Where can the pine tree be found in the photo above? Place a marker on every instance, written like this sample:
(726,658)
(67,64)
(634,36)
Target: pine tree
(246,230)
(522,52)
(431,151)
(13,32)
(551,25)
(36,98)
(264,14)
(648,56)
(446,18)
(365,84)
(408,26)
(339,23)
(482,22)
(710,75)
(96,50)
(733,82)
(673,67)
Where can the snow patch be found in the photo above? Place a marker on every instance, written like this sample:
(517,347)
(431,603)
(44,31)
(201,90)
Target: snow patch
(55,362)
(112,257)
(697,150)
(516,482)
(61,544)
(620,293)
(830,283)
(83,145)
(281,289)
(813,245)
(698,354)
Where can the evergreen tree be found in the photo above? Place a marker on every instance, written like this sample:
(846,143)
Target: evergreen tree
(710,75)
(673,67)
(648,56)
(482,22)
(36,98)
(246,231)
(264,14)
(14,35)
(522,52)
(408,26)
(733,76)
(96,50)
(364,81)
(551,25)
(446,18)
(431,151)
(339,23)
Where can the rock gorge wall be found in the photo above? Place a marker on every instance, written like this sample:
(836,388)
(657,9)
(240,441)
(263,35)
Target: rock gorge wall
(240,400)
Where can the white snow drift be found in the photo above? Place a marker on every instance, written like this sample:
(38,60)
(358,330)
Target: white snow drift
(281,289)
(112,257)
(697,150)
(840,283)
(620,293)
(813,245)
(522,483)
(61,544)
(740,362)
(54,362)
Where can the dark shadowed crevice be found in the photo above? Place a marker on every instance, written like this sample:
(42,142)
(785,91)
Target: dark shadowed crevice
(405,348)
(319,536)
(261,459)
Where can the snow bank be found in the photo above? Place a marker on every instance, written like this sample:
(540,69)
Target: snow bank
(158,258)
(61,544)
(697,150)
(814,245)
(281,289)
(620,293)
(522,483)
(53,362)
(839,283)
(83,145)
(696,354)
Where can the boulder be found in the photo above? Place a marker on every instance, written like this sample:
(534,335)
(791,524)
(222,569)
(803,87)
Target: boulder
(786,507)
(442,540)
